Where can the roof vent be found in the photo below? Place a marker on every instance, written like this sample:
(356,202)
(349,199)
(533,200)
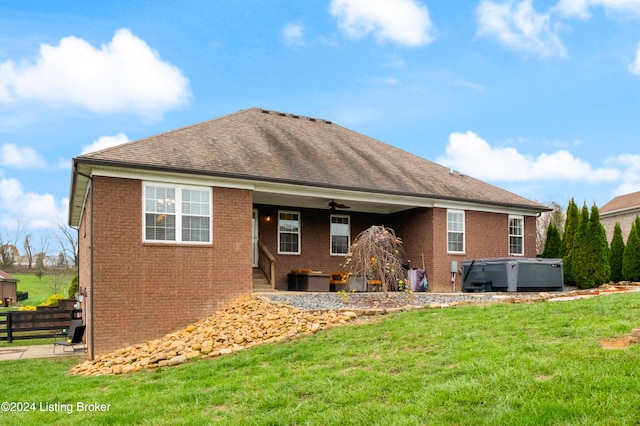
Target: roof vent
(327,122)
(265,111)
(295,116)
(312,119)
(282,114)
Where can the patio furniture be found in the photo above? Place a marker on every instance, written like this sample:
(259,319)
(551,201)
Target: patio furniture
(73,338)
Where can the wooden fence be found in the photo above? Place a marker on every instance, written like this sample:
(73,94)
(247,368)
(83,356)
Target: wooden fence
(22,325)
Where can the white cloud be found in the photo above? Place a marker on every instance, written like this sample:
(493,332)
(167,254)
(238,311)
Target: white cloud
(293,34)
(580,8)
(104,142)
(28,209)
(405,22)
(635,66)
(474,156)
(125,75)
(16,157)
(519,27)
(630,164)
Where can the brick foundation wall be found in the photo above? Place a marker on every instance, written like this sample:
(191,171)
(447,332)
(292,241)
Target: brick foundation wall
(145,290)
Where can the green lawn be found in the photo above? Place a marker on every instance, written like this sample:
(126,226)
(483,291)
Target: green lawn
(529,364)
(39,291)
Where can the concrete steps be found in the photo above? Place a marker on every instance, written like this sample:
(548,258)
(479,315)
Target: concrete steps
(260,282)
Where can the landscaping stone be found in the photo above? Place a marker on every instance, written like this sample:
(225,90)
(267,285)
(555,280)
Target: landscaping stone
(234,328)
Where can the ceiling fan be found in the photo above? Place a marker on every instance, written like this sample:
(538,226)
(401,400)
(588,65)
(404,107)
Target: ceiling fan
(333,206)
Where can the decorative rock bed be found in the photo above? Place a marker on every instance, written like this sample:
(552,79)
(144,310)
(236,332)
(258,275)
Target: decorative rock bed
(239,326)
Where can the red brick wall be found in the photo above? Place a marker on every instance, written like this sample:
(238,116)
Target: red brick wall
(145,290)
(486,236)
(423,232)
(315,250)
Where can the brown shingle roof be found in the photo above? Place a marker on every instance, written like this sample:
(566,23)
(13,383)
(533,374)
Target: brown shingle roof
(4,276)
(622,202)
(272,146)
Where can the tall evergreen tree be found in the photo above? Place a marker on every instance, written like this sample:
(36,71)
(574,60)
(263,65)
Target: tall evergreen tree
(581,253)
(631,255)
(600,268)
(570,228)
(617,251)
(552,243)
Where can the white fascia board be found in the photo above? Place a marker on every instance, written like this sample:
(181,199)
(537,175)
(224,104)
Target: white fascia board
(626,210)
(486,208)
(276,188)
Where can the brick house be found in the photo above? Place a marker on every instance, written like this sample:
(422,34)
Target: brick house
(622,209)
(171,227)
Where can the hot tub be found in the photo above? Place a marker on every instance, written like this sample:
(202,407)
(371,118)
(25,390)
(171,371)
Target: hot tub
(512,274)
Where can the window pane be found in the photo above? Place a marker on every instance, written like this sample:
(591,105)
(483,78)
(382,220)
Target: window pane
(515,245)
(339,244)
(195,228)
(289,243)
(160,227)
(160,200)
(195,202)
(455,241)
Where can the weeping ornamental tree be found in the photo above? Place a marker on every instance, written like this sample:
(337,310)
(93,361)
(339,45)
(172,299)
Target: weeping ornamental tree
(377,254)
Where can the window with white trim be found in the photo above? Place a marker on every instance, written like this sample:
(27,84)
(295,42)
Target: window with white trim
(288,232)
(455,231)
(516,235)
(340,235)
(176,213)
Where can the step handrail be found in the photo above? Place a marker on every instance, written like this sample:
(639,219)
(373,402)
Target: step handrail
(267,263)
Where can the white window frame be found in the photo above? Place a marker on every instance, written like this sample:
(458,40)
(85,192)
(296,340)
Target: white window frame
(456,231)
(178,213)
(299,233)
(331,234)
(521,236)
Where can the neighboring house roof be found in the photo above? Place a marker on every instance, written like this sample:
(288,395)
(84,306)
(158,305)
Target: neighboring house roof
(7,278)
(621,204)
(269,146)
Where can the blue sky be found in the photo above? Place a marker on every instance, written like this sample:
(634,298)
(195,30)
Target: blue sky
(539,97)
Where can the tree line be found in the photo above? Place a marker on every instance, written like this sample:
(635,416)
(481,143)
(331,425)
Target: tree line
(18,250)
(588,260)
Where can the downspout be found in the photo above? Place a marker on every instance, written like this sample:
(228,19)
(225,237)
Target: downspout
(90,328)
(91,349)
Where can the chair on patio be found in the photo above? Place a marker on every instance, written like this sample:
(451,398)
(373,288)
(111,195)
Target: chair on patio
(73,339)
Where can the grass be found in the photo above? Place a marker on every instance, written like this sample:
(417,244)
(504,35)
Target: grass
(39,291)
(532,364)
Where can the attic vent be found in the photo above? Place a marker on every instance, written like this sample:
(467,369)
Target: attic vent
(327,122)
(282,114)
(295,116)
(312,119)
(265,111)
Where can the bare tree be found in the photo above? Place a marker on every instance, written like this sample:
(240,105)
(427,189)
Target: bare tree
(28,251)
(8,247)
(68,239)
